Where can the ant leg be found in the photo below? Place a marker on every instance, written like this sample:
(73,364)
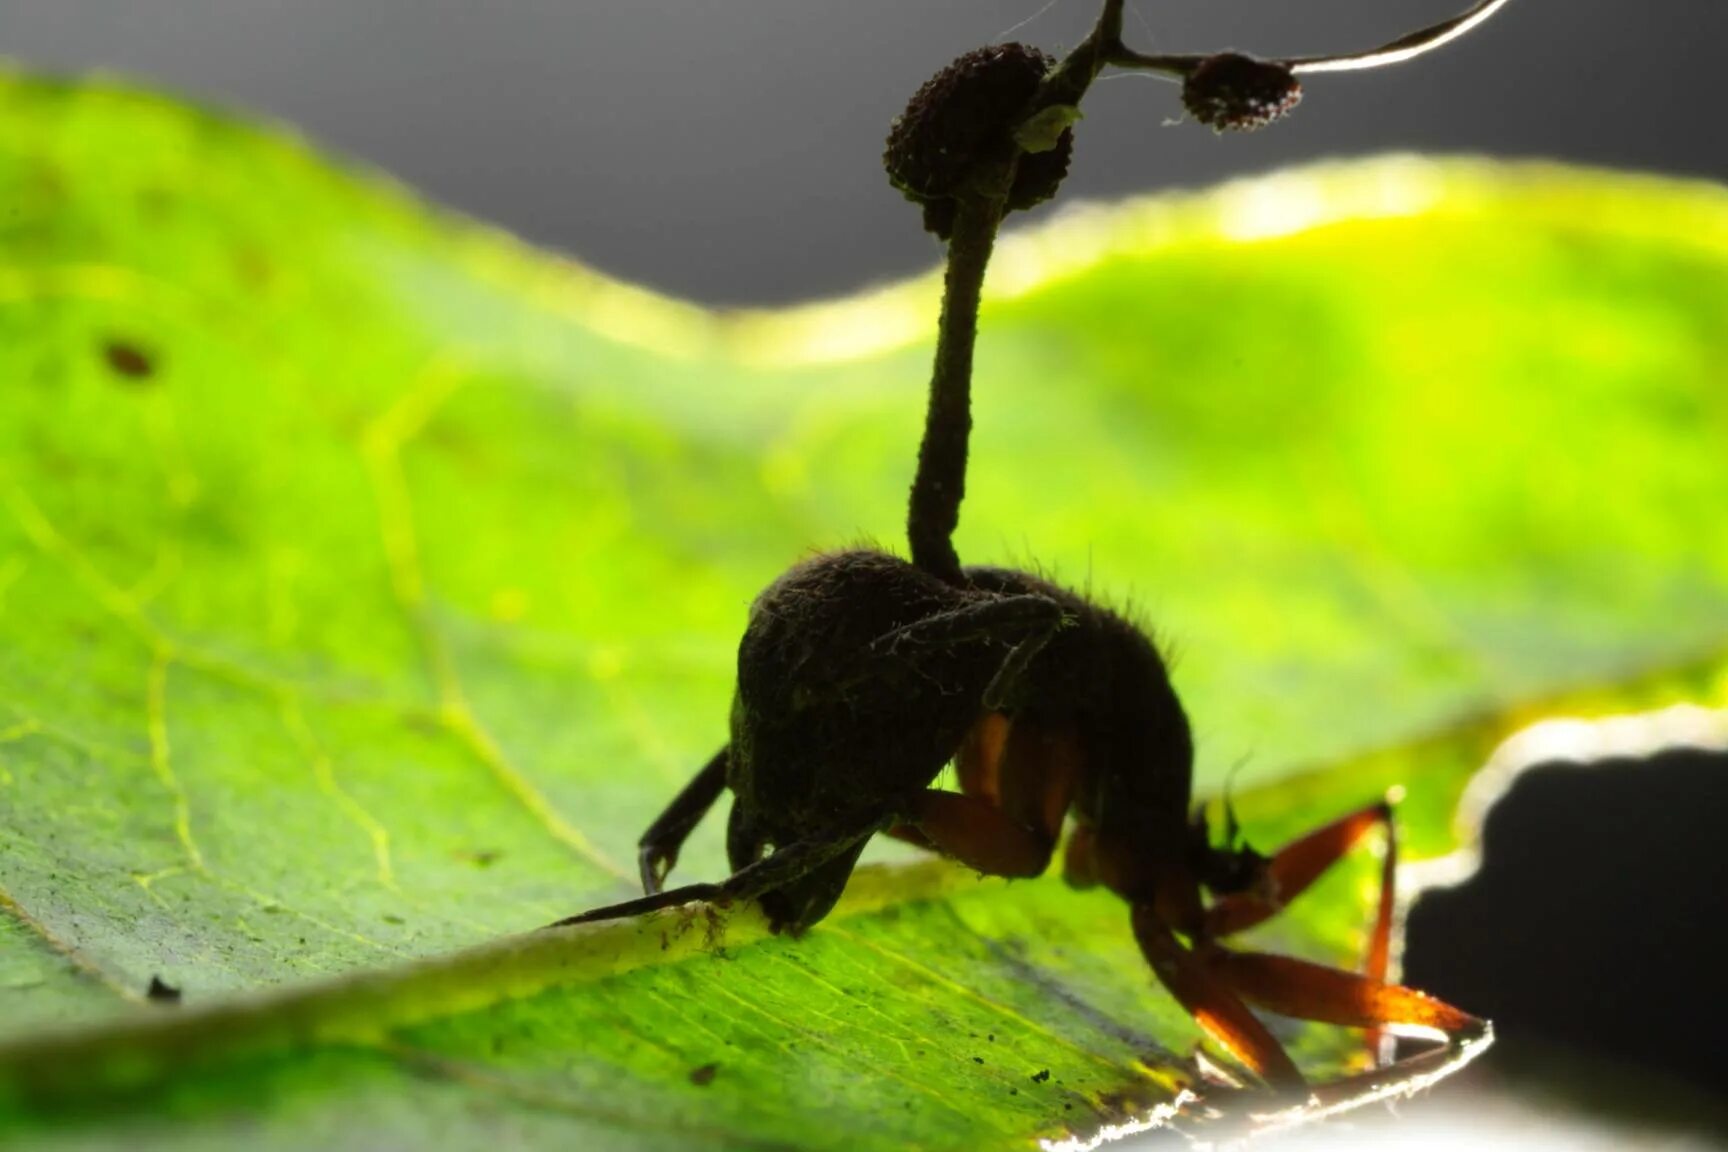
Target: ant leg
(913,835)
(977,764)
(666,898)
(1016,778)
(781,867)
(1214,1004)
(1294,867)
(657,851)
(1307,991)
(980,835)
(1298,864)
(1036,773)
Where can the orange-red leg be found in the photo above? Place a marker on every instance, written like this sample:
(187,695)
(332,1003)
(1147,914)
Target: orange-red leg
(1298,864)
(1215,1006)
(910,834)
(980,835)
(1216,985)
(1306,991)
(1015,781)
(978,763)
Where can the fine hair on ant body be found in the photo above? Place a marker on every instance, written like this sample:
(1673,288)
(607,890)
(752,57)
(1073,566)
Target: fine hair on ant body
(861,675)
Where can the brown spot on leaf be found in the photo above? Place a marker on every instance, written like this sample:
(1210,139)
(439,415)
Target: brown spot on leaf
(155,204)
(253,267)
(45,182)
(704,1076)
(127,360)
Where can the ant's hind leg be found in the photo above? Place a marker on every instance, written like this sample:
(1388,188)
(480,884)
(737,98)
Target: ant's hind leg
(642,905)
(783,867)
(657,852)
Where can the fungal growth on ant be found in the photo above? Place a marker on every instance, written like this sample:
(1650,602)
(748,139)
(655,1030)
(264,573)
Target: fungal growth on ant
(862,675)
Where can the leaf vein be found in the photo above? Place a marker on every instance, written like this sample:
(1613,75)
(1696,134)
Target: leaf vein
(381,447)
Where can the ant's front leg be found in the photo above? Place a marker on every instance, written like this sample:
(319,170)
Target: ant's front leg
(1215,985)
(1214,1004)
(657,851)
(1294,867)
(1311,991)
(1016,779)
(980,835)
(1307,991)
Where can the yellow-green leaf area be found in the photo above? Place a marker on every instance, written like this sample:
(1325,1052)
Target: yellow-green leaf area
(368,582)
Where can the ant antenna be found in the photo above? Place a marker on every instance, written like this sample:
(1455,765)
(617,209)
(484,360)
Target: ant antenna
(1232,827)
(993,132)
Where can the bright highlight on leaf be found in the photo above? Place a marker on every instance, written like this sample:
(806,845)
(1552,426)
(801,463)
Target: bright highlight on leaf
(367,583)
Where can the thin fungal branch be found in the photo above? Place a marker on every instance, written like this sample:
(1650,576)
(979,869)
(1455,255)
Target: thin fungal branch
(1418,43)
(1404,48)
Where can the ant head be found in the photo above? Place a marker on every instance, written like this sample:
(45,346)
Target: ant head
(1231,866)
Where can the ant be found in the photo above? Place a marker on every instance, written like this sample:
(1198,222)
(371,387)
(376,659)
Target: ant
(861,675)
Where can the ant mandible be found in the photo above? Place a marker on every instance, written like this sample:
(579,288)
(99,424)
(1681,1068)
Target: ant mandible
(861,676)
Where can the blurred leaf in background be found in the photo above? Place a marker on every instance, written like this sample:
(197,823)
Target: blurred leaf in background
(368,582)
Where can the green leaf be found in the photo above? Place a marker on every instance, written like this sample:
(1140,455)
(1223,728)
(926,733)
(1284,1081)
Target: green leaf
(368,582)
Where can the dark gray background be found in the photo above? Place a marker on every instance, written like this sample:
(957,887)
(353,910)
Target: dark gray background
(729,149)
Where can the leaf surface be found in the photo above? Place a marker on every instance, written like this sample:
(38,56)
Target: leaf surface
(368,582)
